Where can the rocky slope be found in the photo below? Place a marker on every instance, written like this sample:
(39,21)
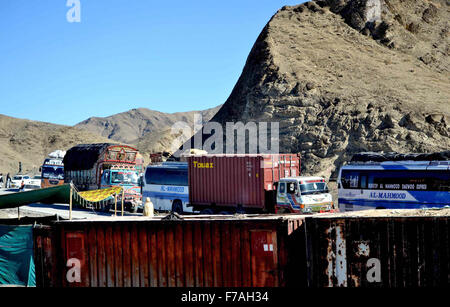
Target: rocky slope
(343,76)
(30,142)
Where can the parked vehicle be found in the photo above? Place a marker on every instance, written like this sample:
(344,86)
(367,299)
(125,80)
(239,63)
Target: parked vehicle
(34,182)
(99,166)
(52,170)
(166,184)
(393,181)
(16,180)
(305,194)
(248,184)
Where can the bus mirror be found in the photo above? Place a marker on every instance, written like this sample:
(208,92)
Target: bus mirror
(40,169)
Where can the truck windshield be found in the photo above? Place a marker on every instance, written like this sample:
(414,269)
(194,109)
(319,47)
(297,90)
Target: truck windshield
(124,178)
(313,188)
(53,172)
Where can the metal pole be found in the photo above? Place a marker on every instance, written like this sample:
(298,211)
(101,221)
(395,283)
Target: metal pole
(122,199)
(70,204)
(18,213)
(115,204)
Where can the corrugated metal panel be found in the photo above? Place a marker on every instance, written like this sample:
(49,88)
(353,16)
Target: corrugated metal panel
(157,253)
(231,180)
(378,251)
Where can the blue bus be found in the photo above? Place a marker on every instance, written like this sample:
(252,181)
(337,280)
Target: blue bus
(167,186)
(394,185)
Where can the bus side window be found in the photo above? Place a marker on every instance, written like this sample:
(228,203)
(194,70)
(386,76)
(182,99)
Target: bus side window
(363,182)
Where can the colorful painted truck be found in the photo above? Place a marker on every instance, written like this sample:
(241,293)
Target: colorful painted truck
(248,183)
(105,165)
(52,170)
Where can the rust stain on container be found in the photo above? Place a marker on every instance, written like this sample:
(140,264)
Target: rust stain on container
(219,252)
(377,251)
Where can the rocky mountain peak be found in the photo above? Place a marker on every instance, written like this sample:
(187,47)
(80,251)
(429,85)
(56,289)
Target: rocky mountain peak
(344,76)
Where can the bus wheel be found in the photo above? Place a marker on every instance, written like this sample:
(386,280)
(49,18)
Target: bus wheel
(177,207)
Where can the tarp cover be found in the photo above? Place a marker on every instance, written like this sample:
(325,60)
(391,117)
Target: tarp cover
(393,156)
(58,195)
(16,256)
(84,156)
(99,195)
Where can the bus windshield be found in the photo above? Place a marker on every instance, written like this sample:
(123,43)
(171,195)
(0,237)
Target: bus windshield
(123,177)
(167,176)
(53,172)
(313,188)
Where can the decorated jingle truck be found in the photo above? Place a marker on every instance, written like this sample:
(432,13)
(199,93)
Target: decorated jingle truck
(105,165)
(52,170)
(254,183)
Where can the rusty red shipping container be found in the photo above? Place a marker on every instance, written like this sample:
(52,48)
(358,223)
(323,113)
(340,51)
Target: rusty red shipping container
(230,180)
(323,250)
(382,251)
(196,251)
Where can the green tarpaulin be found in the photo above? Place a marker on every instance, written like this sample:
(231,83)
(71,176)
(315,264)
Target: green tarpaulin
(16,256)
(58,194)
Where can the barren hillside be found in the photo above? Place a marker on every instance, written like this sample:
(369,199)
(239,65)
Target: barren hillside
(343,76)
(30,141)
(132,126)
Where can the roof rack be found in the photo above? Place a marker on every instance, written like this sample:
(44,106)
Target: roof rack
(375,157)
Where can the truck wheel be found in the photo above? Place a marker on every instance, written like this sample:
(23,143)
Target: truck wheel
(207,212)
(225,213)
(177,207)
(106,208)
(283,211)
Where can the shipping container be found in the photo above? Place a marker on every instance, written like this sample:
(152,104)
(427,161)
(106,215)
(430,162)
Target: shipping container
(200,251)
(379,248)
(233,181)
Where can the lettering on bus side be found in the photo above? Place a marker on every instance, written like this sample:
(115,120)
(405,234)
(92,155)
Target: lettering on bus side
(387,195)
(203,165)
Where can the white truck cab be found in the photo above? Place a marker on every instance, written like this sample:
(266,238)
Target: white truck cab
(303,195)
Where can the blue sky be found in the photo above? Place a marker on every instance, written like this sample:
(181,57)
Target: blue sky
(170,56)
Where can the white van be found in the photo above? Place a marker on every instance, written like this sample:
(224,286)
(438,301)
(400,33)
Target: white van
(303,195)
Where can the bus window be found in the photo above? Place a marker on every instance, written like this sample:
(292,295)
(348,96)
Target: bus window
(165,176)
(363,182)
(350,179)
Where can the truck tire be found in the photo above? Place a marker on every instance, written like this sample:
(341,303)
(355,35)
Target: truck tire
(225,213)
(207,211)
(177,206)
(106,208)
